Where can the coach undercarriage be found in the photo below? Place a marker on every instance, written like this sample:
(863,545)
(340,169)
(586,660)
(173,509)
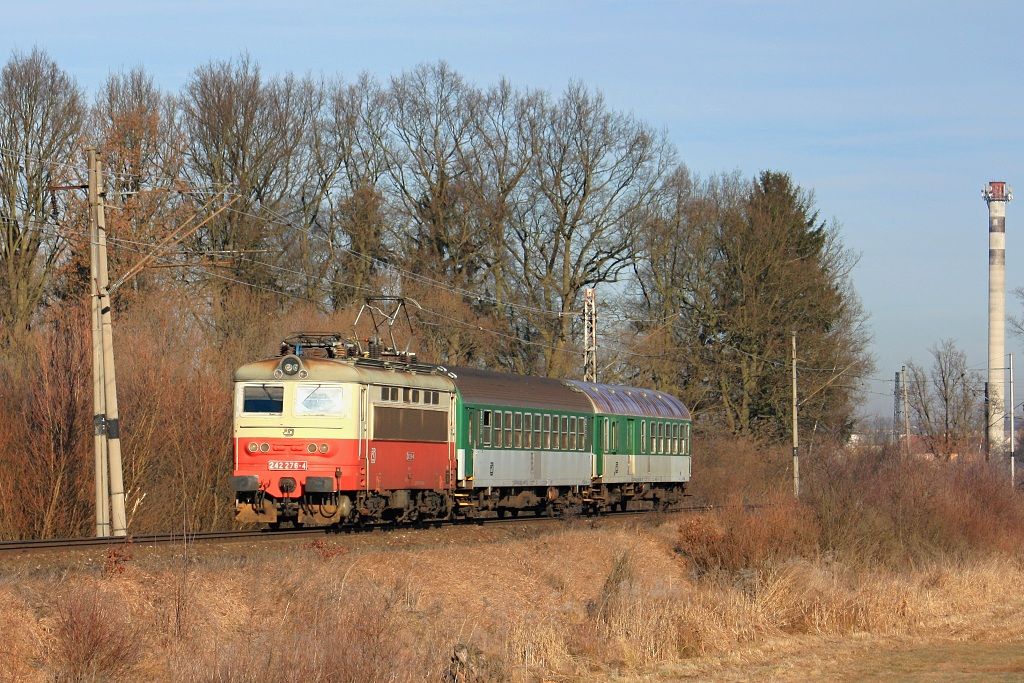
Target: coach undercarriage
(407,506)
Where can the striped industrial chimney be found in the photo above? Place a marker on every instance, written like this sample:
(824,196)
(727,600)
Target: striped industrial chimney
(996,195)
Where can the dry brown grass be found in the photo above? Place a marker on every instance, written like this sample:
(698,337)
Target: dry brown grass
(679,595)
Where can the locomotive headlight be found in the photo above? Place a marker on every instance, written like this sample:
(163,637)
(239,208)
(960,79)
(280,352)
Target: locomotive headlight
(252,447)
(323,448)
(264,447)
(290,367)
(311,448)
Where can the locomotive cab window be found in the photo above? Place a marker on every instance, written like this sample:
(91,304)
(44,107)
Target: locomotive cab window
(267,399)
(316,399)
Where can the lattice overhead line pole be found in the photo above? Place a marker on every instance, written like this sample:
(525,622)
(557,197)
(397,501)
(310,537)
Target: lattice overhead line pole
(590,335)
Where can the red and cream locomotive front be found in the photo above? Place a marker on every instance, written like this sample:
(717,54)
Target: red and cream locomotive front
(296,440)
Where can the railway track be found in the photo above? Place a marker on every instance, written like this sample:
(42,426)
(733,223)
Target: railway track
(254,534)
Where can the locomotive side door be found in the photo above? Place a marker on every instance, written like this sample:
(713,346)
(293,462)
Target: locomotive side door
(364,441)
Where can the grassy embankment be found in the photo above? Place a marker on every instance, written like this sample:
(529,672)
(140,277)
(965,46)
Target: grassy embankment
(880,550)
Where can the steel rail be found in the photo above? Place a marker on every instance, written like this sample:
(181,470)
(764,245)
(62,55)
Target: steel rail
(262,534)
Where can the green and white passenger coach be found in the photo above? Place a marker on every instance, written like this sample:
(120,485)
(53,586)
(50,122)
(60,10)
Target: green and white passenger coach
(545,444)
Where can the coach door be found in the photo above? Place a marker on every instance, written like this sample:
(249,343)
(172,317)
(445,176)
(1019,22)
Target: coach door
(631,444)
(466,454)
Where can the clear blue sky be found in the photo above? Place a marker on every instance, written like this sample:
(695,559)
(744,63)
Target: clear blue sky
(895,113)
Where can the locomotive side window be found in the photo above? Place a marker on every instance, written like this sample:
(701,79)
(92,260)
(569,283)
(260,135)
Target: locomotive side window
(485,428)
(398,423)
(315,399)
(263,398)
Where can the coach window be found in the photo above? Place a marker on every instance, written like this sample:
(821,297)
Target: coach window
(485,428)
(508,429)
(519,430)
(643,436)
(563,441)
(263,398)
(547,431)
(572,433)
(536,430)
(581,430)
(497,429)
(528,430)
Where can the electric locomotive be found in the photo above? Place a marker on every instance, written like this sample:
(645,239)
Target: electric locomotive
(330,434)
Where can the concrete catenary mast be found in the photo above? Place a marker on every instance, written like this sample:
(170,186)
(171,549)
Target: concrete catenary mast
(996,194)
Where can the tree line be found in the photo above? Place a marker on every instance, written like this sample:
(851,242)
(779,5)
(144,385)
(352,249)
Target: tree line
(493,208)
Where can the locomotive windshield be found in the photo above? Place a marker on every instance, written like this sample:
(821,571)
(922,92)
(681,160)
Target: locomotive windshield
(316,399)
(263,398)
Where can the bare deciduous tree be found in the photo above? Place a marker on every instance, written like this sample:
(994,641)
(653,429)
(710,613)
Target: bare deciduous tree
(41,120)
(594,171)
(945,401)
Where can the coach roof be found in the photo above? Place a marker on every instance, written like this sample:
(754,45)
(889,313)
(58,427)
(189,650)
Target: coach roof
(615,399)
(517,391)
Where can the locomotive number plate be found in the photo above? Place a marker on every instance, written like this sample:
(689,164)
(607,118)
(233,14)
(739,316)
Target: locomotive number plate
(287,465)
